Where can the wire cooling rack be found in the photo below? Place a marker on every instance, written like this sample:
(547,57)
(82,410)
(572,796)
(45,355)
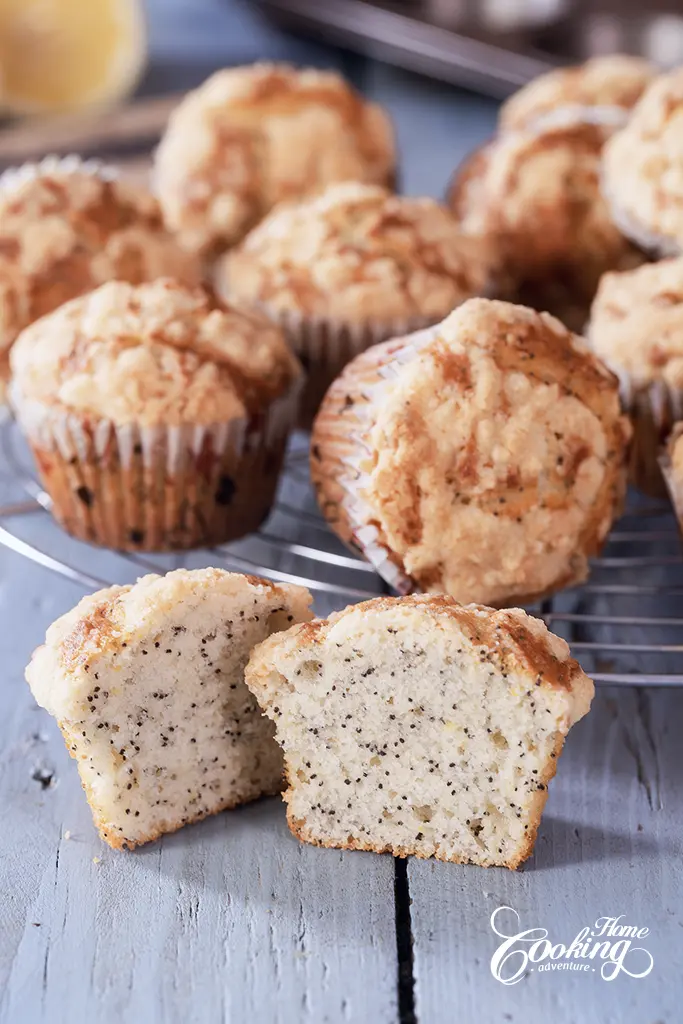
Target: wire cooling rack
(623,625)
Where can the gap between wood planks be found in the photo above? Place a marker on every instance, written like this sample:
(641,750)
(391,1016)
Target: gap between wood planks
(404,944)
(127,133)
(404,931)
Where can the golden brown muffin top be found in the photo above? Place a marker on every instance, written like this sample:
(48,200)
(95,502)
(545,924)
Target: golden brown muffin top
(637,322)
(495,450)
(643,167)
(616,80)
(510,638)
(154,354)
(357,253)
(536,193)
(251,137)
(104,623)
(67,227)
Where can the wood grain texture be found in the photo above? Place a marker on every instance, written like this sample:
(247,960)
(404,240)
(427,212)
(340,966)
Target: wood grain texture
(612,837)
(229,920)
(610,843)
(233,920)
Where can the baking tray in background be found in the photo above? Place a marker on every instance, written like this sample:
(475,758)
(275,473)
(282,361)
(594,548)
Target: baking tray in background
(493,46)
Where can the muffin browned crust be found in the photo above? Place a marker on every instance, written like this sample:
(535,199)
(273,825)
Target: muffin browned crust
(535,195)
(158,417)
(66,228)
(386,710)
(482,458)
(251,137)
(158,354)
(637,330)
(616,80)
(356,253)
(146,683)
(465,187)
(352,267)
(643,169)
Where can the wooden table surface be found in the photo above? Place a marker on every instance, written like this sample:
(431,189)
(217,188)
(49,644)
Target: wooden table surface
(235,920)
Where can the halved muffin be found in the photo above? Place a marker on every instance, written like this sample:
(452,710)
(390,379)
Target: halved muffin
(147,685)
(420,726)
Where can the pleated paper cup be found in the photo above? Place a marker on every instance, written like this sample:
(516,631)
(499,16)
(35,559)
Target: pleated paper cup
(653,410)
(324,346)
(14,177)
(672,480)
(656,245)
(340,454)
(136,488)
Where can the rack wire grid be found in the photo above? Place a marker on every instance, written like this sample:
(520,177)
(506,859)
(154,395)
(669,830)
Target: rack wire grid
(622,625)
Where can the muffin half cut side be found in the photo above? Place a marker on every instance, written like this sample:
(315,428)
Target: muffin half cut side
(147,685)
(420,726)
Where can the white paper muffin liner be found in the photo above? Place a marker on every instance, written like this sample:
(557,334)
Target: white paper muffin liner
(325,345)
(351,460)
(653,410)
(140,488)
(605,114)
(650,241)
(672,481)
(15,177)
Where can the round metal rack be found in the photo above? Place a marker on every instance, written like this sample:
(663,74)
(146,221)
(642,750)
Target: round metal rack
(623,625)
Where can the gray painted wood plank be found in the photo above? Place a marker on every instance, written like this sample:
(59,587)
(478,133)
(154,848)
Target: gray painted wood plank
(611,839)
(610,844)
(229,920)
(233,919)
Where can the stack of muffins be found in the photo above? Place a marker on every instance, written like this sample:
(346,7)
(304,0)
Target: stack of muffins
(464,439)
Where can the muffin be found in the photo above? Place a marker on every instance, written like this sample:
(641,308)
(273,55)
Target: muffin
(147,685)
(351,267)
(158,417)
(671,465)
(482,458)
(253,136)
(637,330)
(643,169)
(616,80)
(416,725)
(535,195)
(67,227)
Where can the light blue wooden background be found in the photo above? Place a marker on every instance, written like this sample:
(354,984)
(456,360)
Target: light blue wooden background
(234,920)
